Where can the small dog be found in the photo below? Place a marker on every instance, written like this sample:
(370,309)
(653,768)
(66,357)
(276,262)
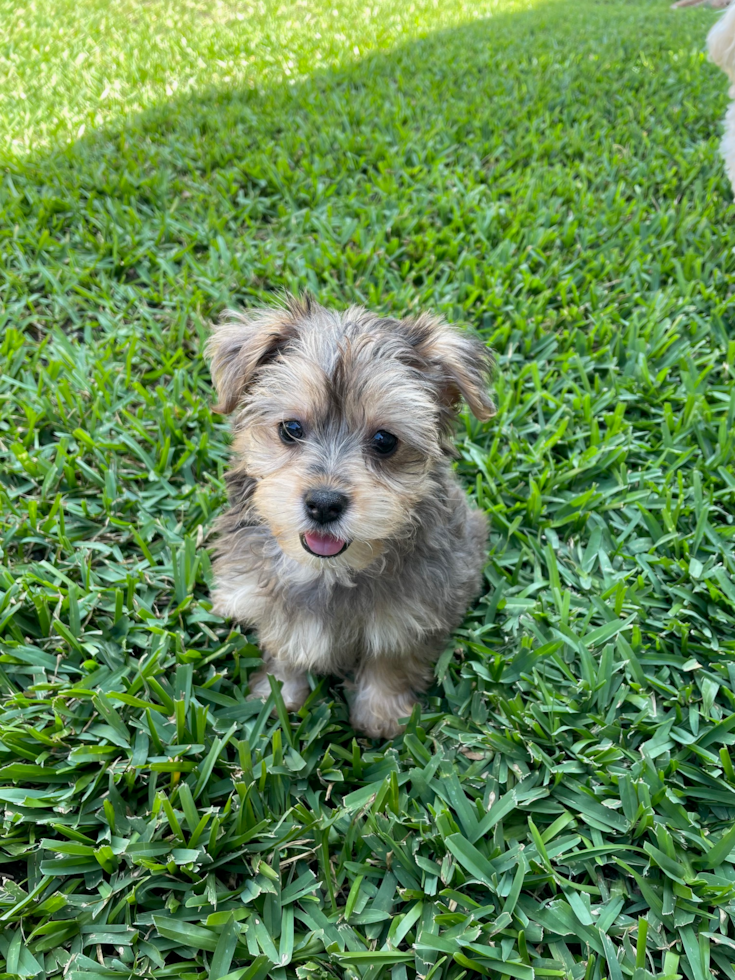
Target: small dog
(349,543)
(721,44)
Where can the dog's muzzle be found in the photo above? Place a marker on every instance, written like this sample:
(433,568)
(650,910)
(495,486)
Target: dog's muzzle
(324,506)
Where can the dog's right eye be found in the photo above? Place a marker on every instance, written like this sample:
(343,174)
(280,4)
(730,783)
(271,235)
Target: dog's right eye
(384,443)
(290,431)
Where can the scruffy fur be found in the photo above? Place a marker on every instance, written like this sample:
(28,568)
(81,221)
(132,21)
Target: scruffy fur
(381,612)
(721,44)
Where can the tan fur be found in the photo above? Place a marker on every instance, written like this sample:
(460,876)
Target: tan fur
(380,612)
(721,44)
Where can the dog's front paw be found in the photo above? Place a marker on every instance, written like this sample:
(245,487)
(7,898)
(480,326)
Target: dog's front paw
(259,685)
(295,689)
(376,713)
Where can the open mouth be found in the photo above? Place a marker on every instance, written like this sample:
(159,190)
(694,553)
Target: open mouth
(323,545)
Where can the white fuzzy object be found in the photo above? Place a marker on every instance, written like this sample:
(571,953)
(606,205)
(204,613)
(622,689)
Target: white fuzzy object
(721,44)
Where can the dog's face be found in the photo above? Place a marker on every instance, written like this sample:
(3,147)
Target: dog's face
(342,418)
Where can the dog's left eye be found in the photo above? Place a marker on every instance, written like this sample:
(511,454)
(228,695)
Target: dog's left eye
(384,443)
(290,431)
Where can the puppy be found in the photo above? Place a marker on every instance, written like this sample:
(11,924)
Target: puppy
(721,44)
(348,543)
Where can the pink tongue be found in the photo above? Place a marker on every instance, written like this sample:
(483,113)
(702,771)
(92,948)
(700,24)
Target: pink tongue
(323,544)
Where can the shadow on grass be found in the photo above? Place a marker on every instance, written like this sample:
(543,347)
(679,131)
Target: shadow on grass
(451,171)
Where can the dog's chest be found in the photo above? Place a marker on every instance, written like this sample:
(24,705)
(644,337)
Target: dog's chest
(326,626)
(368,621)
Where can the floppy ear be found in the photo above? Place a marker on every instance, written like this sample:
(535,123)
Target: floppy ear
(459,361)
(243,342)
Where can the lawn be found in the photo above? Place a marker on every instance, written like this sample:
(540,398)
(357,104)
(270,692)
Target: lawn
(547,171)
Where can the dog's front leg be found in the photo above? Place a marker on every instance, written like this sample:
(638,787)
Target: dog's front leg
(295,689)
(292,644)
(385,691)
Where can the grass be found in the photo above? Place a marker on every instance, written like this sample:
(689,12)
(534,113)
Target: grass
(564,804)
(68,67)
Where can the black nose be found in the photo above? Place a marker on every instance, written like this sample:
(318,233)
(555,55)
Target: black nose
(324,506)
